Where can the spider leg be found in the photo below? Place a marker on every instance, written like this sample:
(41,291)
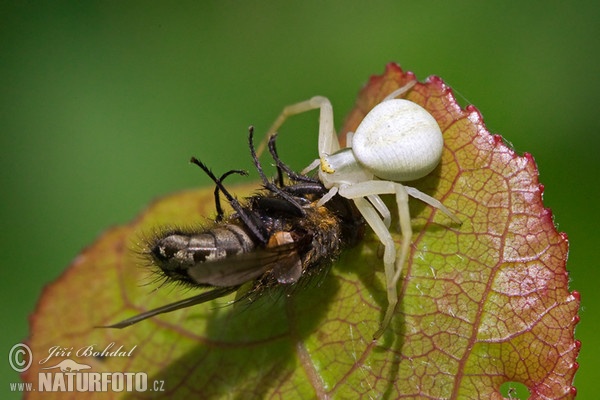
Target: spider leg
(368,189)
(328,141)
(389,257)
(393,261)
(328,196)
(417,194)
(405,229)
(399,92)
(312,166)
(382,208)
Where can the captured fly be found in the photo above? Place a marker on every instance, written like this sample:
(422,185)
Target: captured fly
(278,236)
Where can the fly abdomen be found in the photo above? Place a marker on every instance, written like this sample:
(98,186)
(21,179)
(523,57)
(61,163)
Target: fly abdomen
(176,253)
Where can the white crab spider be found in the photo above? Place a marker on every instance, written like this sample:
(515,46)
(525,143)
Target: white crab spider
(397,141)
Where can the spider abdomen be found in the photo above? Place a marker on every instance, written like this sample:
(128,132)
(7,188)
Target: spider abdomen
(398,140)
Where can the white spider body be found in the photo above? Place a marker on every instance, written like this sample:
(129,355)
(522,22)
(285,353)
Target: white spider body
(397,141)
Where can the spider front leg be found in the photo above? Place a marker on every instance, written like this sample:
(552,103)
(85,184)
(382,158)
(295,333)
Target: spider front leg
(328,140)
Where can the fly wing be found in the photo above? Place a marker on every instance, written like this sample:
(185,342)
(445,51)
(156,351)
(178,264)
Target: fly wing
(242,268)
(190,301)
(229,274)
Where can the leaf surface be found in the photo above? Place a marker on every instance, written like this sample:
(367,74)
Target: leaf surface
(481,304)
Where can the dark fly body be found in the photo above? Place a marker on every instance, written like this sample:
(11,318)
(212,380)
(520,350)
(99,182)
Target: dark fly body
(279,236)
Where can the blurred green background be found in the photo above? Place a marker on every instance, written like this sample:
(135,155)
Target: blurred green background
(103,103)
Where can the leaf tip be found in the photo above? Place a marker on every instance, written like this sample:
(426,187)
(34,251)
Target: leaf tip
(435,80)
(393,73)
(394,68)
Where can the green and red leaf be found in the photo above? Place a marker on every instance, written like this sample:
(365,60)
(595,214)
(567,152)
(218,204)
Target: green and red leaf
(481,304)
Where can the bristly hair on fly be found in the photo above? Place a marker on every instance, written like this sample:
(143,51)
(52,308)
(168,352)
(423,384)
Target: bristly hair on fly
(277,237)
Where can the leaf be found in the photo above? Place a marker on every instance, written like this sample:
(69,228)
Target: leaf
(482,304)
